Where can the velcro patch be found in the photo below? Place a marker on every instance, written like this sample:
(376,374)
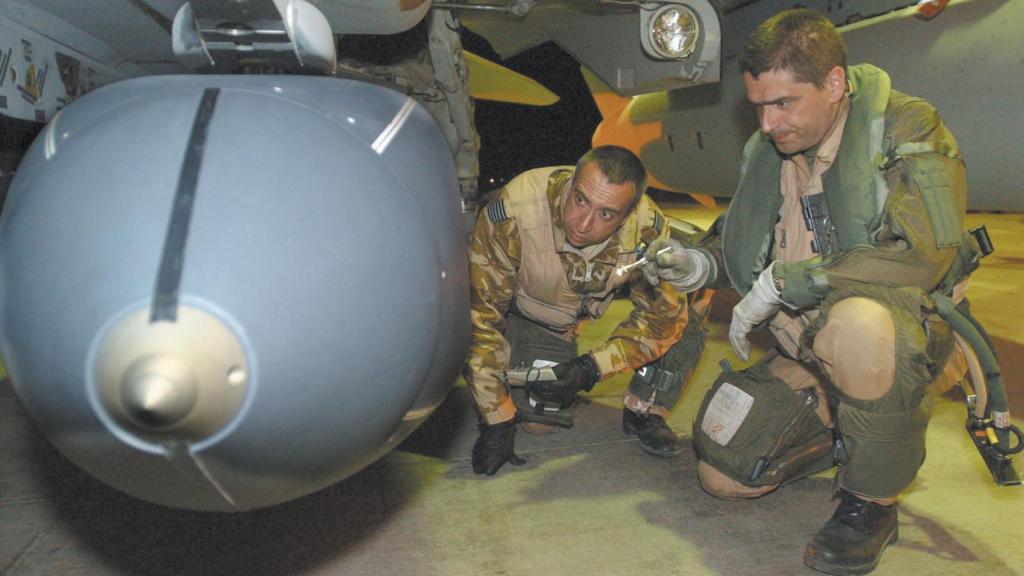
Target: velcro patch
(496,211)
(725,413)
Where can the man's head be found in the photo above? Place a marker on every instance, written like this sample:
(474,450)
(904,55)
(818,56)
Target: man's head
(608,183)
(794,70)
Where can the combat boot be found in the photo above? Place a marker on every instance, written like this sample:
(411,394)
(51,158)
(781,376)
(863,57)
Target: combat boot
(656,438)
(852,541)
(494,447)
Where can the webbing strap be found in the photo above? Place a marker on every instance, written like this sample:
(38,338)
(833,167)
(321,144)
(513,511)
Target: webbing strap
(875,427)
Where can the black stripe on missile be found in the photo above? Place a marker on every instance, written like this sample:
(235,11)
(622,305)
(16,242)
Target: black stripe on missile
(4,61)
(165,298)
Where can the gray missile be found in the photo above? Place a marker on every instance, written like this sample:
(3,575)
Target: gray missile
(225,292)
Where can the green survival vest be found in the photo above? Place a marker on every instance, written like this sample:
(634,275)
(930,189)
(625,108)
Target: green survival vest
(854,186)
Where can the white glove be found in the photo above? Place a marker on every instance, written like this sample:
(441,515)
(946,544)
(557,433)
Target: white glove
(760,304)
(684,268)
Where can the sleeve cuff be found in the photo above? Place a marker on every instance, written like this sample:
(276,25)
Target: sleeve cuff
(610,359)
(504,412)
(804,283)
(702,267)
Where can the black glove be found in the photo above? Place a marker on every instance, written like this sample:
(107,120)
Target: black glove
(494,447)
(580,373)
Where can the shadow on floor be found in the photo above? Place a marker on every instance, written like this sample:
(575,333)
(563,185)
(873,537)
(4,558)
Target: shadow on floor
(136,537)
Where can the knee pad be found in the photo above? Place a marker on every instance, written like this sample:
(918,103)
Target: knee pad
(661,382)
(655,385)
(883,451)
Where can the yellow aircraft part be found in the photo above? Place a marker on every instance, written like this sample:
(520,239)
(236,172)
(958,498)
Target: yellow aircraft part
(490,81)
(617,128)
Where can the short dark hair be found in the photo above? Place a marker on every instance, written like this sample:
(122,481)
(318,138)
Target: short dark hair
(802,41)
(618,165)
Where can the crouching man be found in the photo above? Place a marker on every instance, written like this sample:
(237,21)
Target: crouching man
(848,214)
(545,256)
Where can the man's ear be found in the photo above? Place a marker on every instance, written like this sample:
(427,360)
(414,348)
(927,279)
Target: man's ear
(835,83)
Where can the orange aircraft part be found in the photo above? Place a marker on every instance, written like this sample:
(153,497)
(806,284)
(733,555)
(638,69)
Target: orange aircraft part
(928,9)
(617,128)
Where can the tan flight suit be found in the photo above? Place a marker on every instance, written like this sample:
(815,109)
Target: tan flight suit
(861,316)
(521,267)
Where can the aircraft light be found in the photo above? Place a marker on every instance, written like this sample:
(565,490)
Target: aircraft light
(674,32)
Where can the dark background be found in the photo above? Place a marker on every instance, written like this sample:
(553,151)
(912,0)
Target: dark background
(514,137)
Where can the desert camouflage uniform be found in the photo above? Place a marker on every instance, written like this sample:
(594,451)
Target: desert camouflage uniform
(656,322)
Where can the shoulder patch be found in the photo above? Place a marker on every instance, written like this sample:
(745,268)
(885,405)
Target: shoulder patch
(496,211)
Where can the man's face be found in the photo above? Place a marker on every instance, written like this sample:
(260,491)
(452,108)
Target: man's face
(795,115)
(594,208)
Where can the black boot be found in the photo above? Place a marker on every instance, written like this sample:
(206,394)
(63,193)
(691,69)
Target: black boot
(851,542)
(494,447)
(656,438)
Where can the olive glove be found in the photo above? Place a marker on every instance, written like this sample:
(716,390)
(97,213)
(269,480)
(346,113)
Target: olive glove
(760,304)
(685,268)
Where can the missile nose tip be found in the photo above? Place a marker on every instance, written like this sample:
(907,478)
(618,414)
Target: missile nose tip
(157,400)
(170,382)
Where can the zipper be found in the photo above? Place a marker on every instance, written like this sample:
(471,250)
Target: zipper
(808,405)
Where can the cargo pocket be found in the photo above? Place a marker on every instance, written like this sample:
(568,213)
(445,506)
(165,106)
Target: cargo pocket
(749,419)
(940,204)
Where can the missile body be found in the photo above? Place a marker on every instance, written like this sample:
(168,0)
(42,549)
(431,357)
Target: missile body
(225,292)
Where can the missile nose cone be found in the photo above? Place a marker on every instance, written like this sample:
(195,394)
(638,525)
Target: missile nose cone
(171,382)
(153,401)
(158,392)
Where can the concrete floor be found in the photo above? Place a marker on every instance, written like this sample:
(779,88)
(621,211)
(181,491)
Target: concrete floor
(587,502)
